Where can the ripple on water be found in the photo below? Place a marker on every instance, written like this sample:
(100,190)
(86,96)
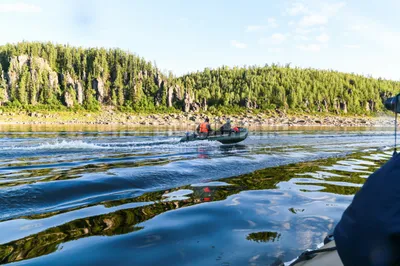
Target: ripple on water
(191,204)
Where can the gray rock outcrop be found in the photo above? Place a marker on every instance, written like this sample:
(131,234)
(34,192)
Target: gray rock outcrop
(98,86)
(68,99)
(36,65)
(76,85)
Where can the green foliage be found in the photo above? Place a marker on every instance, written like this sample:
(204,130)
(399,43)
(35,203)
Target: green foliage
(128,82)
(3,87)
(291,89)
(90,103)
(53,69)
(22,94)
(2,95)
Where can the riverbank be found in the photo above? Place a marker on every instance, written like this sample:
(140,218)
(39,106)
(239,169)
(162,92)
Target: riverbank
(187,120)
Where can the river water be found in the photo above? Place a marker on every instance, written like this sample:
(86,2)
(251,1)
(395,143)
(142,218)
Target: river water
(123,196)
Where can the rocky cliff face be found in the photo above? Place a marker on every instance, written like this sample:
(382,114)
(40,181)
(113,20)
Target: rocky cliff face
(36,65)
(98,86)
(174,94)
(190,105)
(74,88)
(69,99)
(76,85)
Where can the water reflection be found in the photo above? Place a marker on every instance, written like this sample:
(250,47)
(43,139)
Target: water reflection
(264,237)
(235,191)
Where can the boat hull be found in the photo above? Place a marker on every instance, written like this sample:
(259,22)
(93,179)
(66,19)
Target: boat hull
(330,258)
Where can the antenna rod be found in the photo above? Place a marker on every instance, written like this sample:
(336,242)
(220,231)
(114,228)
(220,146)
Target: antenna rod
(395,127)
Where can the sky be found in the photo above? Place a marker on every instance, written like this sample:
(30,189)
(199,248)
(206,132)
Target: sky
(357,36)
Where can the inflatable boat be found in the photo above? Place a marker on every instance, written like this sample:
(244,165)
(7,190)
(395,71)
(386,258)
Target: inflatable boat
(225,138)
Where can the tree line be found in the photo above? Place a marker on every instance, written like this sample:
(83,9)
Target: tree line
(60,76)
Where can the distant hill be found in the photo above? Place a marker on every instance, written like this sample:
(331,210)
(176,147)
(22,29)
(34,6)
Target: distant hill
(60,76)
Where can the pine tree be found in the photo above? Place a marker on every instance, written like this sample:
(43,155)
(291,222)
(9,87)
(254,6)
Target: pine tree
(3,87)
(22,94)
(32,91)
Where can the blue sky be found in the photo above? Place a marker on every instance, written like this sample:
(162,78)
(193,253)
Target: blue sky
(357,36)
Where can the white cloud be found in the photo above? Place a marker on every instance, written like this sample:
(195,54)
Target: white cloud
(301,38)
(313,20)
(332,9)
(310,47)
(297,9)
(352,46)
(271,24)
(317,16)
(19,8)
(238,45)
(323,37)
(371,31)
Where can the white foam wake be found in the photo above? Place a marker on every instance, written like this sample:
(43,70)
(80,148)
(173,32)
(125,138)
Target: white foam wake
(61,145)
(169,144)
(149,142)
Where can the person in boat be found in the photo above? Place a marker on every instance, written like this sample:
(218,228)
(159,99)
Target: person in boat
(369,230)
(204,128)
(226,128)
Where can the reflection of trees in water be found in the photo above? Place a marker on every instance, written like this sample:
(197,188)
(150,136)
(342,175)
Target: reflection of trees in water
(340,190)
(30,176)
(295,211)
(124,221)
(46,242)
(264,237)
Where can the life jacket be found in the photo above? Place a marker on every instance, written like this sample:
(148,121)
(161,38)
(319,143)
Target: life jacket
(204,127)
(236,129)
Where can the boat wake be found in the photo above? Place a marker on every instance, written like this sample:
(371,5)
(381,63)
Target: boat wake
(75,145)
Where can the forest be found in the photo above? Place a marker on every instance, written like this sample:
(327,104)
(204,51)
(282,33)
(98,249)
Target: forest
(60,77)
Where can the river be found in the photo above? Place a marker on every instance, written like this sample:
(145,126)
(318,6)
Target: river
(128,196)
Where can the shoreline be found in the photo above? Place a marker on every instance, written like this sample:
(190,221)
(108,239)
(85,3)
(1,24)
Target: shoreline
(188,120)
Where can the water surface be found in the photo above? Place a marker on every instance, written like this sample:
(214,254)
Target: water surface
(103,195)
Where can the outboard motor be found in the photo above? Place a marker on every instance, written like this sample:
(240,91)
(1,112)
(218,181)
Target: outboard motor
(392,104)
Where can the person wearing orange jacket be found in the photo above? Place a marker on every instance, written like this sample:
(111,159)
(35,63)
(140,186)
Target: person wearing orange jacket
(204,128)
